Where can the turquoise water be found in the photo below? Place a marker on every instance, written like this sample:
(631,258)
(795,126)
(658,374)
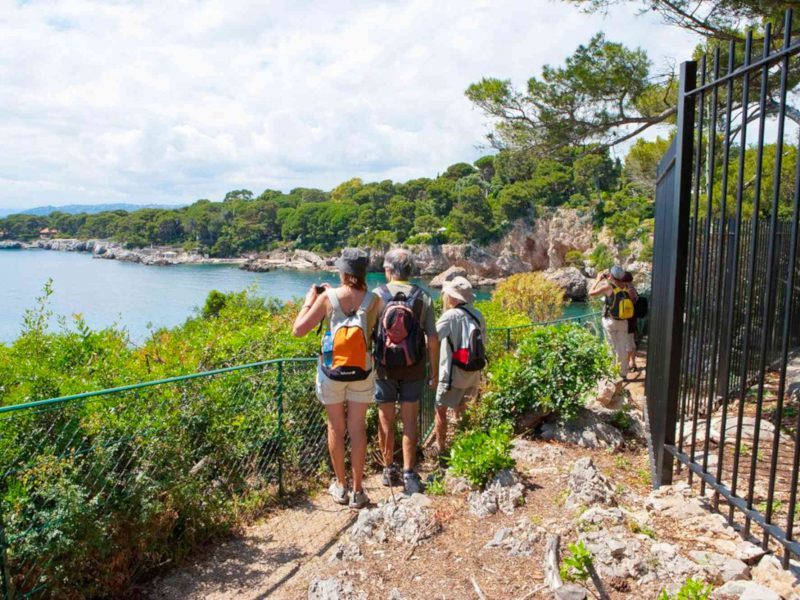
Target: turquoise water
(138,297)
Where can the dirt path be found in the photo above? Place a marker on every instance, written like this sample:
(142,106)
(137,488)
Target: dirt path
(260,562)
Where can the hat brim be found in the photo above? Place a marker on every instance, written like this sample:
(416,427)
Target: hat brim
(465,296)
(346,267)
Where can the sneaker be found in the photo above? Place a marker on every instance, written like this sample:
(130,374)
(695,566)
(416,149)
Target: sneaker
(338,492)
(411,483)
(391,475)
(359,499)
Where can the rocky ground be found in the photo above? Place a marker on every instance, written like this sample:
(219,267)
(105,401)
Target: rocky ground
(587,483)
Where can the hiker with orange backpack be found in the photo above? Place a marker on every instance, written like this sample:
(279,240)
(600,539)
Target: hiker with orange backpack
(405,343)
(345,380)
(619,297)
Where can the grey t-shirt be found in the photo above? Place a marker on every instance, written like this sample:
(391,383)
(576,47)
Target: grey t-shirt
(428,323)
(449,326)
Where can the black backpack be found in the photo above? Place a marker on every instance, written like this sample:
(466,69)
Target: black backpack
(640,307)
(472,357)
(399,339)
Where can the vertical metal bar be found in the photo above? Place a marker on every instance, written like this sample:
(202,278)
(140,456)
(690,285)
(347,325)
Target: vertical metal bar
(769,296)
(665,400)
(692,328)
(712,325)
(280,428)
(739,214)
(727,268)
(776,190)
(508,339)
(789,311)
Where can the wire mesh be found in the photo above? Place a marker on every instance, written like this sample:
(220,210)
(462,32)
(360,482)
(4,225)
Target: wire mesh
(133,479)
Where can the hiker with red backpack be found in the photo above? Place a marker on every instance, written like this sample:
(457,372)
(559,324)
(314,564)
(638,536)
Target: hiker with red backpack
(345,380)
(405,343)
(462,331)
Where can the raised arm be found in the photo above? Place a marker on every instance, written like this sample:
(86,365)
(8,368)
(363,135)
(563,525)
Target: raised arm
(600,286)
(311,314)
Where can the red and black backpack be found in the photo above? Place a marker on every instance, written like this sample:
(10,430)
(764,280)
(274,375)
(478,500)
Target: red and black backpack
(399,339)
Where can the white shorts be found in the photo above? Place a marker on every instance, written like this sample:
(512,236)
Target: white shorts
(330,391)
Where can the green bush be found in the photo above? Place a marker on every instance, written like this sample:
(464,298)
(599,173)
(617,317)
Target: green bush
(479,456)
(601,257)
(578,565)
(692,589)
(574,258)
(551,372)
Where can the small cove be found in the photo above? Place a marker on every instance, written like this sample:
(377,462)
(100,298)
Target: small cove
(137,297)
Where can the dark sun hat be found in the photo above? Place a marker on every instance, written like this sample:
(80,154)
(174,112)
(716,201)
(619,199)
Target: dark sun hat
(353,261)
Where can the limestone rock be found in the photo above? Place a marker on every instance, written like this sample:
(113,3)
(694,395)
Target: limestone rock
(586,431)
(571,280)
(450,273)
(770,573)
(333,589)
(536,453)
(518,540)
(588,486)
(720,568)
(503,493)
(347,552)
(743,590)
(408,519)
(608,391)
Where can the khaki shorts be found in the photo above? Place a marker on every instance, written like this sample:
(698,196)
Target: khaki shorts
(454,397)
(330,391)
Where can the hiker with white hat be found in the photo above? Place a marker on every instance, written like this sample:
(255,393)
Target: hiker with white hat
(619,297)
(462,330)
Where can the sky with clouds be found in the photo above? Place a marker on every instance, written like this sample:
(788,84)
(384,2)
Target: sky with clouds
(166,102)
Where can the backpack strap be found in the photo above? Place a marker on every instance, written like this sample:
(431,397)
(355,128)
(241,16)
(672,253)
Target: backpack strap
(384,293)
(468,312)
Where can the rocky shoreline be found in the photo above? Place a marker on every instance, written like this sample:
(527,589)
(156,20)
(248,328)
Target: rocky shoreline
(105,249)
(541,246)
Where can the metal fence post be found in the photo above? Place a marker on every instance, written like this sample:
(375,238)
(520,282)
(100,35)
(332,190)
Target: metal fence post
(669,282)
(280,428)
(508,339)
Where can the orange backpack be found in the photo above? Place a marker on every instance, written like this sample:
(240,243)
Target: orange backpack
(345,352)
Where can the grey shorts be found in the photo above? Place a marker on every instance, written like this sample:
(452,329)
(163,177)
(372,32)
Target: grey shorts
(454,397)
(398,390)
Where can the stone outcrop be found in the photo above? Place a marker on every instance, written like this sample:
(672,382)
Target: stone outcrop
(571,280)
(588,486)
(408,519)
(504,493)
(447,275)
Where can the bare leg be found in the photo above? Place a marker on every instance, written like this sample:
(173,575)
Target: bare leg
(386,416)
(408,413)
(336,429)
(357,427)
(441,427)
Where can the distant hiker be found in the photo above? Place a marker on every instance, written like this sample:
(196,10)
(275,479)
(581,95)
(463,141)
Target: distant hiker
(632,322)
(345,373)
(462,331)
(405,342)
(619,300)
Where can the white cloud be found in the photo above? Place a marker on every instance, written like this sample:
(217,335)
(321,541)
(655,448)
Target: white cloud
(150,101)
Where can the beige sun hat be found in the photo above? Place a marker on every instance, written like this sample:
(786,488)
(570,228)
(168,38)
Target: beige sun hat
(459,288)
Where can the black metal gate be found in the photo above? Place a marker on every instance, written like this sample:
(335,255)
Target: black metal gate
(723,388)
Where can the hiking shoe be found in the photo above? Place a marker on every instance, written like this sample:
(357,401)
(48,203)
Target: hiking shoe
(338,492)
(391,475)
(411,483)
(359,499)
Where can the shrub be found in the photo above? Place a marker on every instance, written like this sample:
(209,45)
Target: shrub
(601,257)
(692,589)
(574,258)
(532,294)
(498,342)
(479,456)
(578,565)
(552,371)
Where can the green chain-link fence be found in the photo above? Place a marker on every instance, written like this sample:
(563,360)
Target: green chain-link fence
(131,479)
